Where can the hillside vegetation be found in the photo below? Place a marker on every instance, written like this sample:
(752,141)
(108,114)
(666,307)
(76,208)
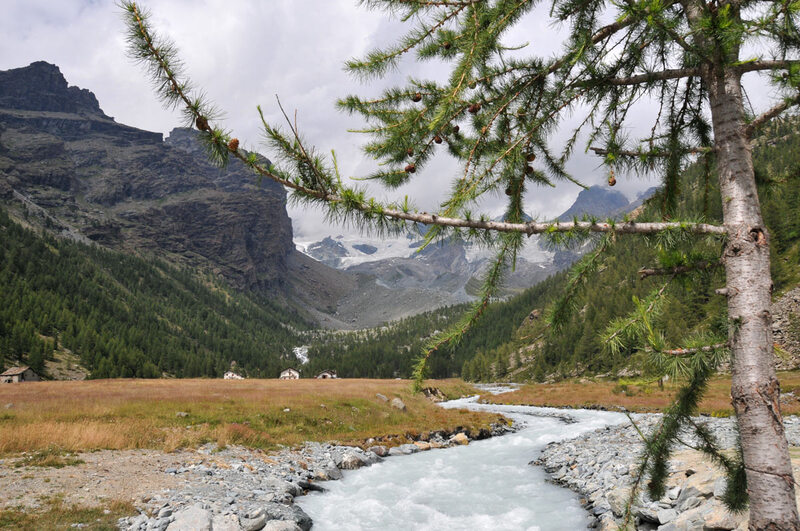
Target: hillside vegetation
(125,316)
(533,352)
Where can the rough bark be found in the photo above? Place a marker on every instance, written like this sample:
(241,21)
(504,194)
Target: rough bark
(755,389)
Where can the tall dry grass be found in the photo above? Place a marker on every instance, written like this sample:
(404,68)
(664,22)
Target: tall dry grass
(640,396)
(118,414)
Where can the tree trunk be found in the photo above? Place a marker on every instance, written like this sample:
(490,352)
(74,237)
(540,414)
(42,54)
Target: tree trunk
(755,390)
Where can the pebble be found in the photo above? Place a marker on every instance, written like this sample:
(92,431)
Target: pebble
(237,489)
(601,467)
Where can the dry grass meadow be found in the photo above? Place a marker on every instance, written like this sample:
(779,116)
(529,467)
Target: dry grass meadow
(122,414)
(52,418)
(640,396)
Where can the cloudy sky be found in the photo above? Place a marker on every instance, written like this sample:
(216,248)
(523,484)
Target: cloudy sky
(243,53)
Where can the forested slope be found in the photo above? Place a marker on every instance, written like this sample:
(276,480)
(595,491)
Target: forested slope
(125,316)
(532,351)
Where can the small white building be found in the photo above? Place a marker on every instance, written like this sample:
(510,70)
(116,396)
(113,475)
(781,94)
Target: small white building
(230,375)
(19,374)
(324,375)
(290,374)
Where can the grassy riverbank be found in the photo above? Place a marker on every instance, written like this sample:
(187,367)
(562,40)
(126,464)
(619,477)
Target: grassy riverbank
(639,395)
(171,414)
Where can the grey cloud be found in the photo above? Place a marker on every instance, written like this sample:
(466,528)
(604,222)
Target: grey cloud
(243,53)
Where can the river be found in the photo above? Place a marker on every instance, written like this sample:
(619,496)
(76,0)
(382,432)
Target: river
(487,485)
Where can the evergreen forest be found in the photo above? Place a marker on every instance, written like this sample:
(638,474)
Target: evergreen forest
(129,316)
(126,316)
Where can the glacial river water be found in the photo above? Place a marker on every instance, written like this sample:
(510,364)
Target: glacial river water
(487,485)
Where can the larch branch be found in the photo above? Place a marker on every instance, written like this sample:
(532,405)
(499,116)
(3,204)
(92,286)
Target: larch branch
(695,350)
(647,77)
(768,115)
(677,270)
(759,66)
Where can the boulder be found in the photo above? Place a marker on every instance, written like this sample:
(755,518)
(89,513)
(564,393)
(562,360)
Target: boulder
(252,524)
(690,503)
(379,450)
(329,472)
(666,516)
(460,439)
(618,500)
(351,461)
(290,513)
(398,404)
(381,397)
(193,518)
(226,522)
(281,525)
(717,516)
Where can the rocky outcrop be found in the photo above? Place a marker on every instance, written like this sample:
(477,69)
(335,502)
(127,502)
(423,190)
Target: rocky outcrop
(328,251)
(597,201)
(130,190)
(41,87)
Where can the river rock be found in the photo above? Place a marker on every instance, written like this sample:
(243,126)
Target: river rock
(379,450)
(398,404)
(226,522)
(717,516)
(665,516)
(460,439)
(252,524)
(617,499)
(281,525)
(351,461)
(293,513)
(193,518)
(328,472)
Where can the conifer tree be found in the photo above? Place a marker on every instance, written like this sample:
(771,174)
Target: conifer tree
(497,112)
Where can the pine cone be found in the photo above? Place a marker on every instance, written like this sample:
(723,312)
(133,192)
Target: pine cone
(201,123)
(416,97)
(233,145)
(411,168)
(437,139)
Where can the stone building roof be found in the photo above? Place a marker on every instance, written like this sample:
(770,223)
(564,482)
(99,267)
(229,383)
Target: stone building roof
(13,371)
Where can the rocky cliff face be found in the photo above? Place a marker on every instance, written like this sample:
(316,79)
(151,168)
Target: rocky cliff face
(596,201)
(129,189)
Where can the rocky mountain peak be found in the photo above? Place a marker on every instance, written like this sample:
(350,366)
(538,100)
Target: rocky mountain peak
(41,86)
(595,201)
(184,139)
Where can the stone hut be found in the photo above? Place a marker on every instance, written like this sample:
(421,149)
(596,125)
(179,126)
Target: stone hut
(324,375)
(290,374)
(19,374)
